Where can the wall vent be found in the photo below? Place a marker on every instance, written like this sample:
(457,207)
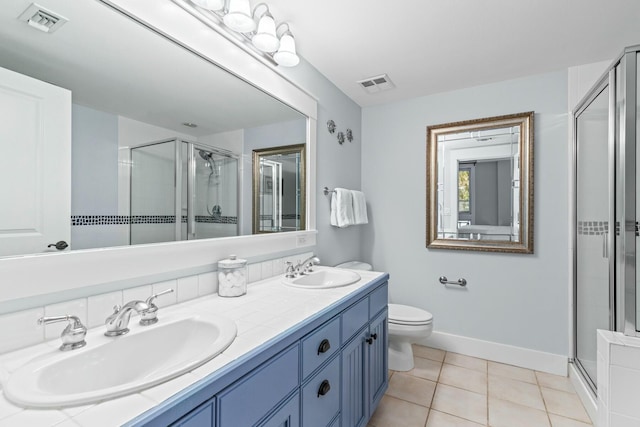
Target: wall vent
(42,19)
(376,84)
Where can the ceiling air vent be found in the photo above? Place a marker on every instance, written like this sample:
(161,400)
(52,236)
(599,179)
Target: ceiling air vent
(376,84)
(42,19)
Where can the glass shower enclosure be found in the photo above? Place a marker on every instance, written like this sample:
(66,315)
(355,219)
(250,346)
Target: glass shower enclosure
(605,210)
(182,190)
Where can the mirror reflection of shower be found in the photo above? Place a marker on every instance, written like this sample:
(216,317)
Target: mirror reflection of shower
(213,206)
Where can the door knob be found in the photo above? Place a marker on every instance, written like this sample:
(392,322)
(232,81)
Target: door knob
(61,245)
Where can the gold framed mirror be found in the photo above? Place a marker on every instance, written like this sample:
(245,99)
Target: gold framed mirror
(279,195)
(480,184)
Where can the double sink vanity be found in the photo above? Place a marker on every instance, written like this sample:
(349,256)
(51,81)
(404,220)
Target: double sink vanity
(308,350)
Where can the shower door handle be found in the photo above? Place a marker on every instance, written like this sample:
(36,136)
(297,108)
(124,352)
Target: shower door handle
(605,246)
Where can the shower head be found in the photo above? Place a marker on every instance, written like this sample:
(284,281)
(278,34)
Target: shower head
(206,155)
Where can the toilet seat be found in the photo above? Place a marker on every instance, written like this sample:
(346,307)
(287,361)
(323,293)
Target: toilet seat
(409,316)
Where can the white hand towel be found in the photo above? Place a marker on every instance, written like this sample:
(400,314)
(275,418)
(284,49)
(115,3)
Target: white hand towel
(341,208)
(359,208)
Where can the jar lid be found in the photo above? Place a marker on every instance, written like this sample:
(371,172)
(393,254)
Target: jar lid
(232,262)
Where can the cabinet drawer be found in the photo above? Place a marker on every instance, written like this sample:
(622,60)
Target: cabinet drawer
(314,346)
(319,403)
(354,318)
(250,399)
(378,300)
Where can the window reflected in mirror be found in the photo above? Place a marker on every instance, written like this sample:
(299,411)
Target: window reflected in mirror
(279,189)
(475,197)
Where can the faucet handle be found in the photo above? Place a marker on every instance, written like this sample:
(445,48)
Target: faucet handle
(290,272)
(150,316)
(73,335)
(149,300)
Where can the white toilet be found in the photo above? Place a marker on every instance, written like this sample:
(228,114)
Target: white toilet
(407,325)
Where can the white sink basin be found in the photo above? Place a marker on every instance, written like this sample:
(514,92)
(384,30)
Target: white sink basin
(324,277)
(111,367)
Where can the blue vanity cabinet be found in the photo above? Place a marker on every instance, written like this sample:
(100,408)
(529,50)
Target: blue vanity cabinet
(364,364)
(330,371)
(203,416)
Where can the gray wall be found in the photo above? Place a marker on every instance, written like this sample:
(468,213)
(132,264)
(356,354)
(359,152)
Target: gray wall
(337,165)
(520,300)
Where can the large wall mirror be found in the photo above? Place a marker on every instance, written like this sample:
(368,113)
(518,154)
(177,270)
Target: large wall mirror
(480,184)
(161,139)
(279,189)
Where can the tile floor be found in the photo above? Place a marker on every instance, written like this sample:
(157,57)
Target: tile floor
(452,390)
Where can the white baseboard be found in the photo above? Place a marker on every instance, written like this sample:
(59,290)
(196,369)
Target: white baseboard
(496,352)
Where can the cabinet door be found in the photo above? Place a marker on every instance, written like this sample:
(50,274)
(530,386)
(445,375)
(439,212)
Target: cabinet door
(287,416)
(355,408)
(378,375)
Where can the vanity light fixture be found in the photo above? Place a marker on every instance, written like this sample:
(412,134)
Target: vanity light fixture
(256,30)
(238,16)
(286,54)
(265,38)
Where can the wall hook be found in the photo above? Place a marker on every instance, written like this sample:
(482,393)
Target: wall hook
(331,126)
(340,137)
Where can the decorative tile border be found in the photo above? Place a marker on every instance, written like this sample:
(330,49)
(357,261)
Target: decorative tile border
(79,220)
(592,228)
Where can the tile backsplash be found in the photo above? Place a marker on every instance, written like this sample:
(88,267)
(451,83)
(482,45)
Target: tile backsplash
(21,328)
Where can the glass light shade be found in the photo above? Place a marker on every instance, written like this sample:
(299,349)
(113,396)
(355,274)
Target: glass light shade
(286,54)
(239,16)
(209,4)
(265,38)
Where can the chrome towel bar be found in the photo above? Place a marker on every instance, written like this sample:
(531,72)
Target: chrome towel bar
(327,191)
(459,282)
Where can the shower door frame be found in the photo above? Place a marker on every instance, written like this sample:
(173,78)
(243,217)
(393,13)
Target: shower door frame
(191,183)
(622,79)
(191,178)
(607,81)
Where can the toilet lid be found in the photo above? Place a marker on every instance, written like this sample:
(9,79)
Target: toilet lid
(407,315)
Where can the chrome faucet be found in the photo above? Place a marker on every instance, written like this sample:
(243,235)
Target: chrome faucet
(306,266)
(73,335)
(117,323)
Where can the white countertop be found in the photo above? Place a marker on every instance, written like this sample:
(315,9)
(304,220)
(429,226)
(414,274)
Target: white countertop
(267,310)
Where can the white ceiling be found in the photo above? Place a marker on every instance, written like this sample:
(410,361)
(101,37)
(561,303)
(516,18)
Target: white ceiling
(432,46)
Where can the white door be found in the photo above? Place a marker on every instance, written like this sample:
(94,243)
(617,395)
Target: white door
(35,164)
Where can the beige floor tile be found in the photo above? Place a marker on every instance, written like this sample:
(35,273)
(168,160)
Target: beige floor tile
(566,404)
(429,353)
(556,382)
(516,391)
(390,374)
(513,372)
(440,419)
(467,379)
(466,361)
(425,368)
(412,389)
(394,412)
(461,403)
(558,421)
(508,414)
